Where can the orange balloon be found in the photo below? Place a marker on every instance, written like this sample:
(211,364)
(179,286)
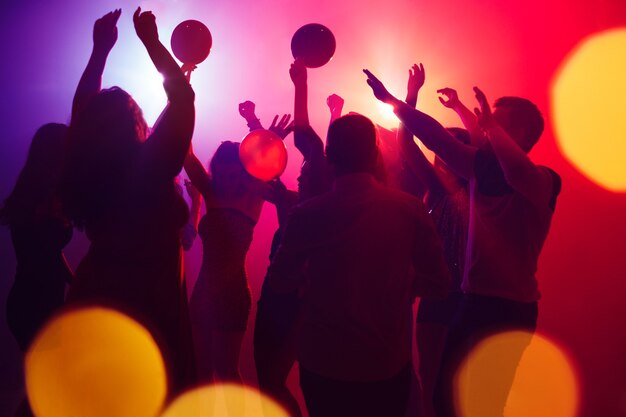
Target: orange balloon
(263,154)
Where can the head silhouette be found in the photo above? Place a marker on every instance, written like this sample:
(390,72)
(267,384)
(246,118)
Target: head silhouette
(111,117)
(521,119)
(351,145)
(227,171)
(225,154)
(38,181)
(103,144)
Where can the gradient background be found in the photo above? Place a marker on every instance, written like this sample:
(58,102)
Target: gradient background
(505,47)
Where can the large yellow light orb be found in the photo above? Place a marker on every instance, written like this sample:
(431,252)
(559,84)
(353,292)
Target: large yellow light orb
(545,384)
(95,362)
(589,110)
(224,400)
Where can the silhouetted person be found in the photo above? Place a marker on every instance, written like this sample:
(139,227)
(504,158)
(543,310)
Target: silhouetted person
(512,201)
(446,198)
(274,327)
(39,231)
(119,185)
(277,313)
(220,301)
(350,252)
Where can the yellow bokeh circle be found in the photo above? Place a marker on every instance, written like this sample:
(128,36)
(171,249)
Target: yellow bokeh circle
(224,400)
(544,384)
(95,362)
(589,110)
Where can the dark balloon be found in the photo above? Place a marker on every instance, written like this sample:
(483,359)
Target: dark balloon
(314,44)
(263,154)
(191,42)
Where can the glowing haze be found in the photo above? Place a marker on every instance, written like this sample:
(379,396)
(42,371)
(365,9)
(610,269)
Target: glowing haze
(505,47)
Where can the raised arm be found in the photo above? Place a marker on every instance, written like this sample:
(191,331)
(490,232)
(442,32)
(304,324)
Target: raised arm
(451,101)
(298,74)
(104,38)
(147,31)
(282,127)
(308,145)
(411,153)
(197,174)
(459,157)
(335,105)
(276,193)
(190,231)
(246,110)
(166,148)
(196,202)
(530,180)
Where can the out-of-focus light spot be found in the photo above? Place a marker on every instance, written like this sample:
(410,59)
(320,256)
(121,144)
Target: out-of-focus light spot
(223,400)
(589,110)
(129,67)
(386,112)
(95,362)
(145,84)
(545,384)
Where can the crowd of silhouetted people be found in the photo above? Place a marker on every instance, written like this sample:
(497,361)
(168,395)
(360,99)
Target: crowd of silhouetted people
(373,226)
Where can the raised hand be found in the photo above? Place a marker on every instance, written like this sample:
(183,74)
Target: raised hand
(105,31)
(469,119)
(378,88)
(104,38)
(187,70)
(298,73)
(283,127)
(277,187)
(451,99)
(335,105)
(484,115)
(246,110)
(145,26)
(417,76)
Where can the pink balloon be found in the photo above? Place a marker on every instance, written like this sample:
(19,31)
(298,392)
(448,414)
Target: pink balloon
(263,154)
(314,44)
(191,42)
